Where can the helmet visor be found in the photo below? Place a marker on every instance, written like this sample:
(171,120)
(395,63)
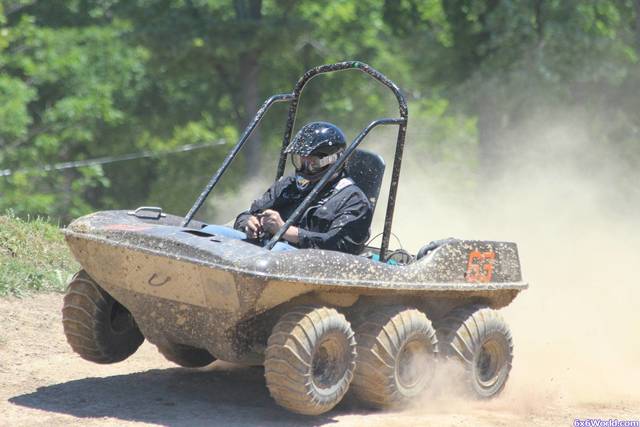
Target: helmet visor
(312,164)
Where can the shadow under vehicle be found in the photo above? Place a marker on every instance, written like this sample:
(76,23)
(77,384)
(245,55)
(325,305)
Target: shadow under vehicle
(321,322)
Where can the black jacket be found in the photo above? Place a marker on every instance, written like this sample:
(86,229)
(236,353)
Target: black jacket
(338,219)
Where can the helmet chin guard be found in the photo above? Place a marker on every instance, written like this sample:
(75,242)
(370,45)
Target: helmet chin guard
(310,177)
(302,183)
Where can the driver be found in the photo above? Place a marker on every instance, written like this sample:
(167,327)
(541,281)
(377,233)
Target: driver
(340,216)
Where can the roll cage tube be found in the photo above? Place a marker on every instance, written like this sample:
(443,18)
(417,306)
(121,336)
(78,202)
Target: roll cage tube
(294,98)
(233,153)
(402,130)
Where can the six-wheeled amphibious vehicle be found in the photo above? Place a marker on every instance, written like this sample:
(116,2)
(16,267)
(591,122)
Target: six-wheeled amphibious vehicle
(321,322)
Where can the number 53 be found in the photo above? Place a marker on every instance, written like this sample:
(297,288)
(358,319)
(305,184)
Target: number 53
(480,266)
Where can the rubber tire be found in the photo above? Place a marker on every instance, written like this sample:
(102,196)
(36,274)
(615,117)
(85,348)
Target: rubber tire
(185,355)
(88,320)
(464,332)
(295,351)
(384,340)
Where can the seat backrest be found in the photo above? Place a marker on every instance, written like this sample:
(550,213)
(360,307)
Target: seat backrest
(367,169)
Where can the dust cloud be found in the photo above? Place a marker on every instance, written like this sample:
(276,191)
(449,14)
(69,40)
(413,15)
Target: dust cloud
(228,205)
(561,199)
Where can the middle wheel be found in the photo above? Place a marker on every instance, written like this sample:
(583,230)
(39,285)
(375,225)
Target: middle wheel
(396,356)
(185,355)
(310,359)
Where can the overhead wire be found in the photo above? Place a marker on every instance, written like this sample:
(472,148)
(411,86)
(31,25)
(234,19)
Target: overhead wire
(110,159)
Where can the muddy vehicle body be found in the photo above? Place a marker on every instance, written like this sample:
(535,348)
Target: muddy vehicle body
(321,322)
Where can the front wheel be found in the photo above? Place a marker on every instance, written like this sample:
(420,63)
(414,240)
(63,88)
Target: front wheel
(479,339)
(98,327)
(310,359)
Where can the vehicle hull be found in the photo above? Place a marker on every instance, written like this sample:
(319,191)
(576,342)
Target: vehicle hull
(207,291)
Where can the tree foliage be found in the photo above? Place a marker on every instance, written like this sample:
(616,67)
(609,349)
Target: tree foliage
(82,79)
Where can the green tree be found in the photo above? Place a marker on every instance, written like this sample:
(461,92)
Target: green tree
(504,62)
(116,77)
(89,78)
(62,90)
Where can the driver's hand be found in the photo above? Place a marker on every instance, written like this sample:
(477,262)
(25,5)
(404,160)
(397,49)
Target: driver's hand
(271,221)
(253,227)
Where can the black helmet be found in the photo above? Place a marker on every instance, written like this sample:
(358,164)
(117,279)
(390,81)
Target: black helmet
(317,139)
(321,140)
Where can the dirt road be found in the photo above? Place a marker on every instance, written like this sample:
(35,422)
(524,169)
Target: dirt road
(43,383)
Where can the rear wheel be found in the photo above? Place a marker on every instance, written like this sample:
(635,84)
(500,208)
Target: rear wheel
(98,327)
(185,355)
(396,357)
(480,339)
(310,359)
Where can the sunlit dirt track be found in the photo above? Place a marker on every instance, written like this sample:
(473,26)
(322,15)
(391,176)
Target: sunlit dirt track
(43,383)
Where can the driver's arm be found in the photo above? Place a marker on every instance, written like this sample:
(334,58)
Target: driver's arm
(267,201)
(271,221)
(349,228)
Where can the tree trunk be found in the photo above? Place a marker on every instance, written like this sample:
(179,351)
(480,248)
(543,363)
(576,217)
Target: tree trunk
(637,4)
(249,73)
(539,20)
(248,15)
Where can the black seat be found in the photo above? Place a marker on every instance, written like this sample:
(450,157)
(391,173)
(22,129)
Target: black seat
(367,169)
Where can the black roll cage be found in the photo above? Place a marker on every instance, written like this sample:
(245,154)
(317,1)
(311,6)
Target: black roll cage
(294,98)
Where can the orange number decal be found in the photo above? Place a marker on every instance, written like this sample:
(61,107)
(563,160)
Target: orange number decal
(480,267)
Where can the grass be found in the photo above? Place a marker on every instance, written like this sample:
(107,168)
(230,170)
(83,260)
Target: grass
(33,257)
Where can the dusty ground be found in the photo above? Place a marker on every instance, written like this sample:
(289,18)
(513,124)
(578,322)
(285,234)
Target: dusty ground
(43,383)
